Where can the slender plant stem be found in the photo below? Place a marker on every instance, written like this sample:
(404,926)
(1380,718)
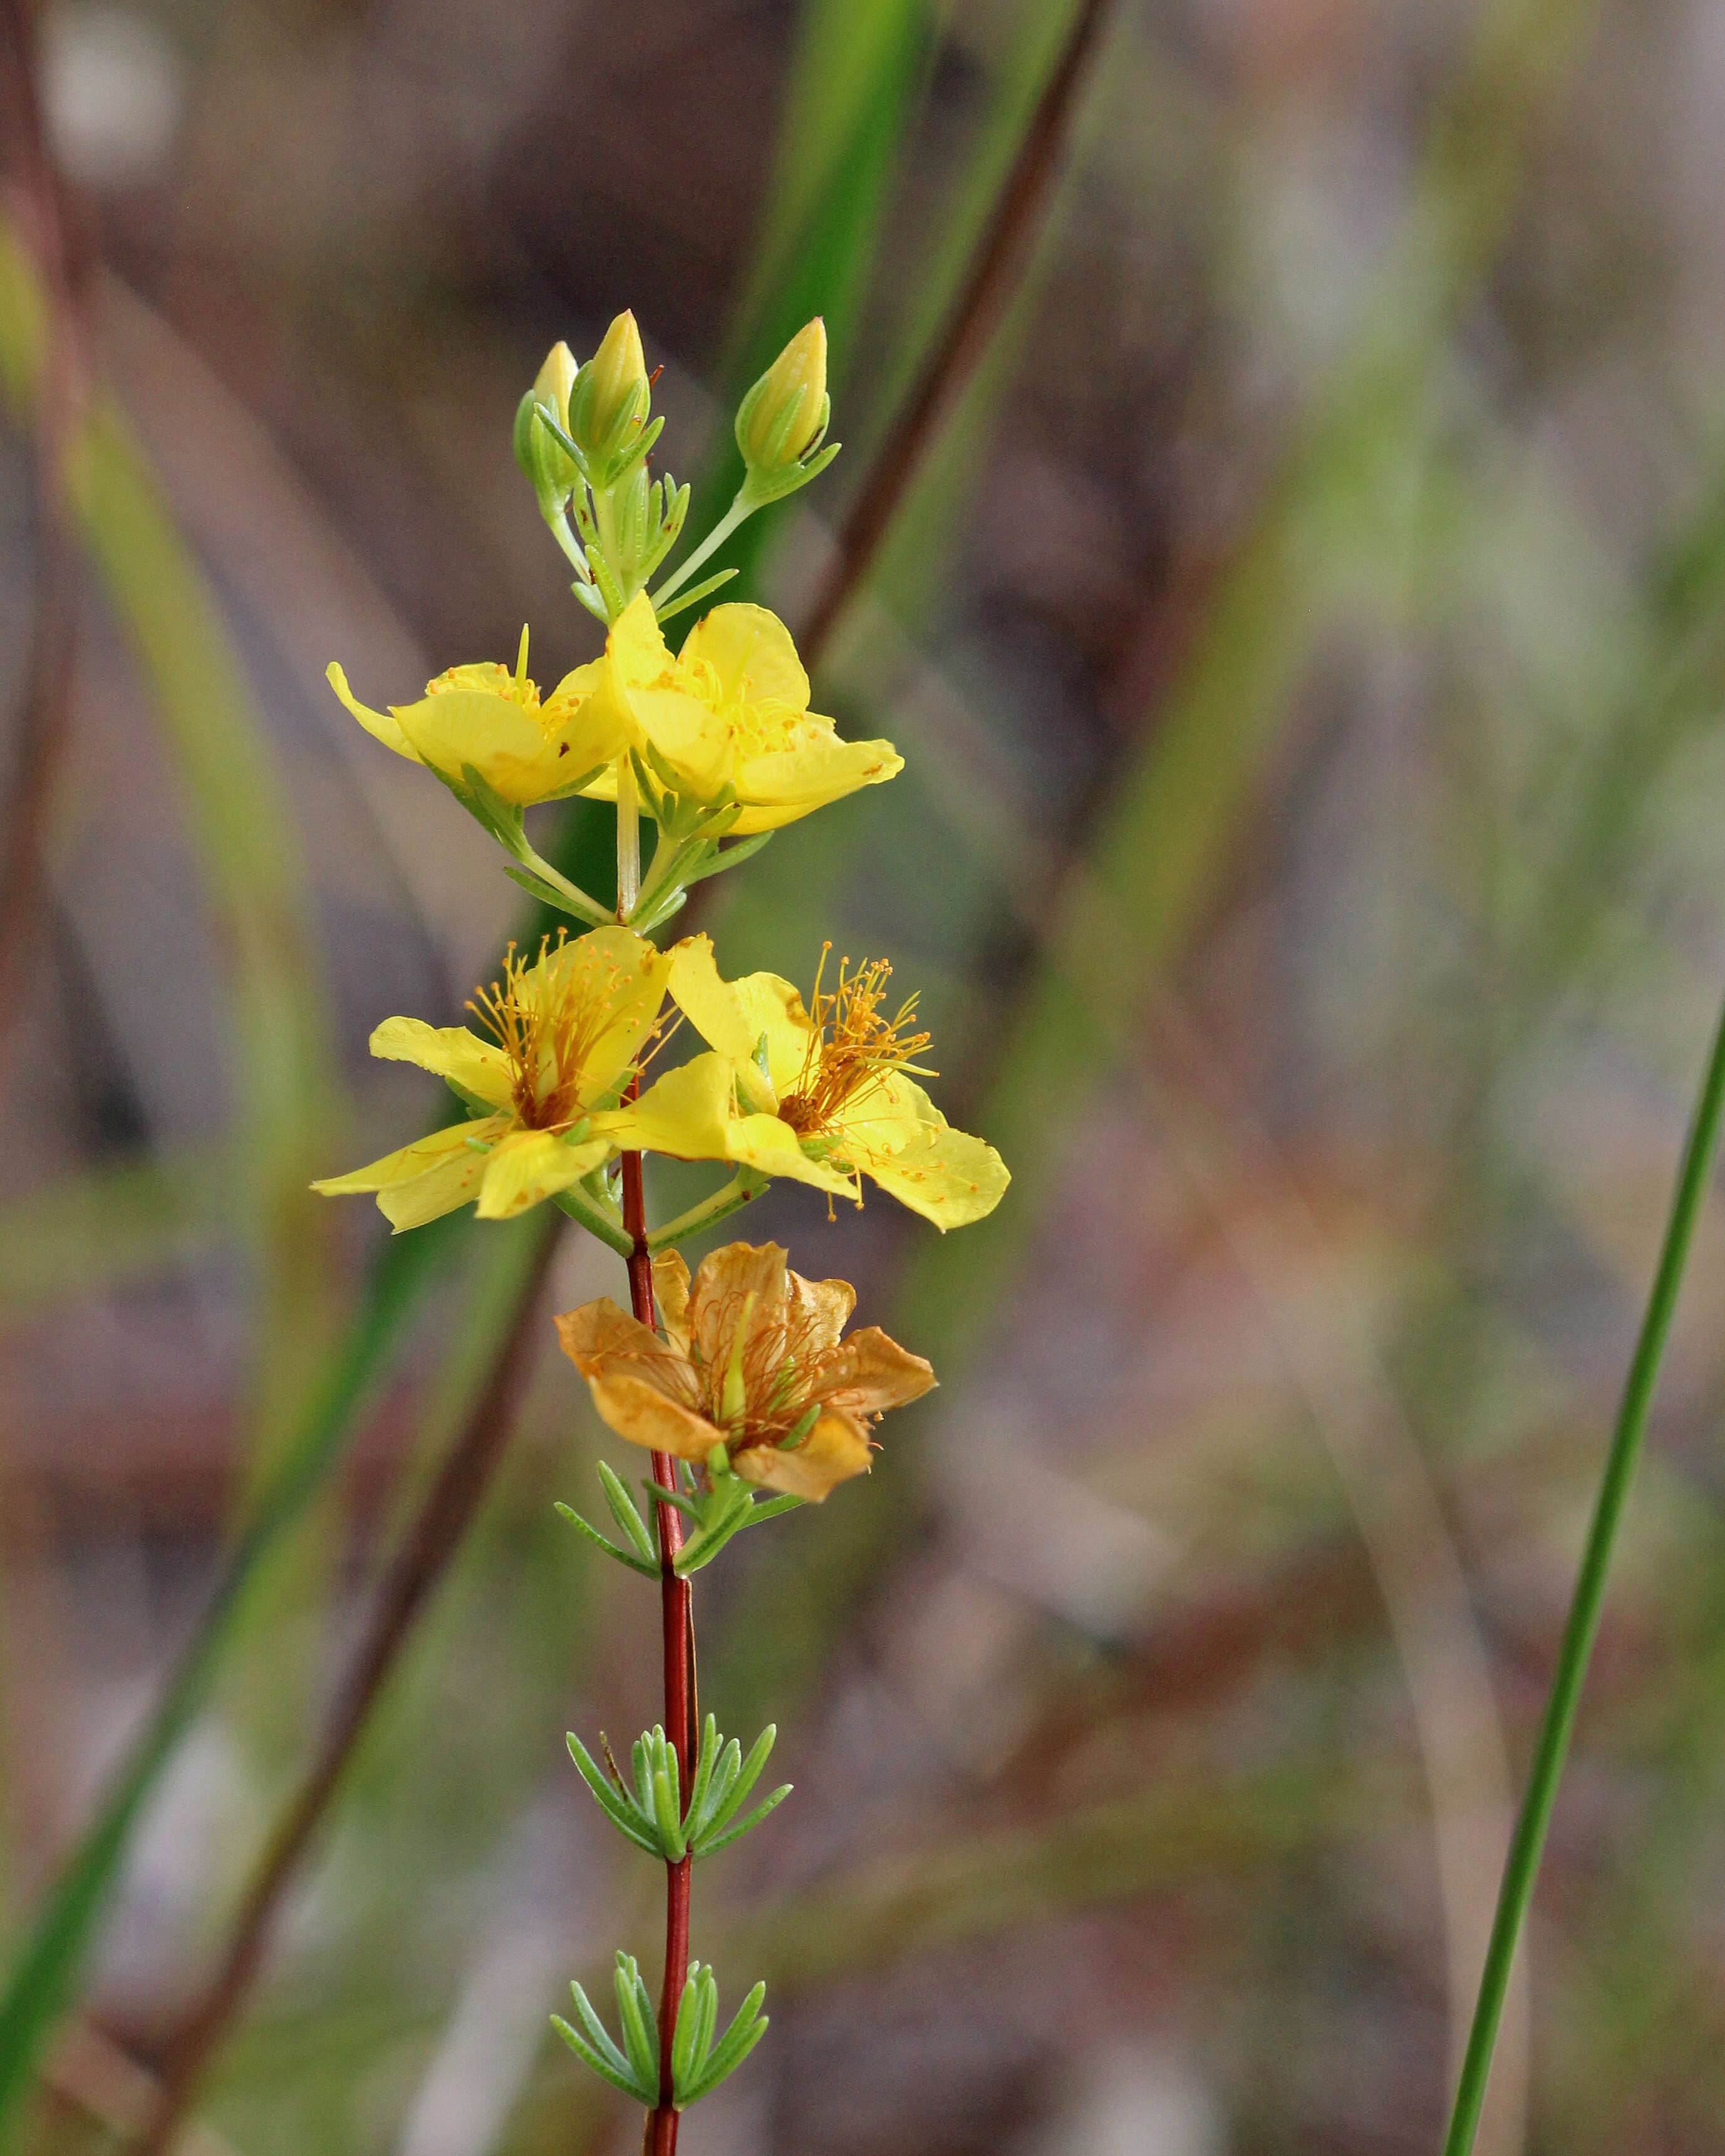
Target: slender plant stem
(60,401)
(661,2136)
(1522,1867)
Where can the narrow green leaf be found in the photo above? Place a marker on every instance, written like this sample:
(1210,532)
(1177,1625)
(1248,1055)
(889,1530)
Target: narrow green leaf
(759,1752)
(640,2037)
(601,1541)
(706,1753)
(684,2053)
(616,1807)
(620,2075)
(624,1512)
(745,1826)
(739,2040)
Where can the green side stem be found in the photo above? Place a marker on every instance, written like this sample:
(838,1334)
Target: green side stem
(1522,1867)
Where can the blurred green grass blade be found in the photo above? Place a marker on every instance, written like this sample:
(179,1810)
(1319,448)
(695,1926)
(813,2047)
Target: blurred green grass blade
(1031,38)
(848,90)
(241,831)
(43,1980)
(252,868)
(1173,814)
(1169,828)
(855,84)
(104,1227)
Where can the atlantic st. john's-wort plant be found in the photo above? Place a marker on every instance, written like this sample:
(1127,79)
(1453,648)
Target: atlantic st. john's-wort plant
(741,1383)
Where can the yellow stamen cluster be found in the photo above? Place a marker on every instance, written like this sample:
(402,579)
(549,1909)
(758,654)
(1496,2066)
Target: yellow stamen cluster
(765,728)
(546,1017)
(853,1045)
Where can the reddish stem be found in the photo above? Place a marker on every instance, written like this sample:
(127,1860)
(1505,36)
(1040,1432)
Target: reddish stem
(660,2138)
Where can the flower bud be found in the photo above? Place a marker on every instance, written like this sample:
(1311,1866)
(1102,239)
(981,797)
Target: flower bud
(785,412)
(611,392)
(546,464)
(555,380)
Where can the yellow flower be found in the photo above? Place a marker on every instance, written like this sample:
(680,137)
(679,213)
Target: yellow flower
(755,1362)
(567,1033)
(728,719)
(827,1096)
(484,716)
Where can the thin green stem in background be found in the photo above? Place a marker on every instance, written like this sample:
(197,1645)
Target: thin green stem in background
(1522,1868)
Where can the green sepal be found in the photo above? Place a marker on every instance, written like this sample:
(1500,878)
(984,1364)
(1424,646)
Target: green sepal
(695,594)
(475,1107)
(581,1205)
(723,1510)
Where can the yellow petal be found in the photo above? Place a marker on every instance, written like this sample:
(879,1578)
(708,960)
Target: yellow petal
(503,741)
(687,735)
(783,784)
(379,724)
(670,1290)
(946,1175)
(449,1051)
(732,1015)
(575,688)
(885,1114)
(870,1372)
(688,1114)
(433,1176)
(752,652)
(771,1147)
(579,736)
(527,1166)
(833,1450)
(635,647)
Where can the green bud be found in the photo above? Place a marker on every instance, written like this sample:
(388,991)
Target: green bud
(784,416)
(608,402)
(546,464)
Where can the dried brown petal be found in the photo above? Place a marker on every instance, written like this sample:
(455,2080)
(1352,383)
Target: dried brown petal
(724,1280)
(671,1290)
(817,1312)
(833,1450)
(870,1372)
(636,1408)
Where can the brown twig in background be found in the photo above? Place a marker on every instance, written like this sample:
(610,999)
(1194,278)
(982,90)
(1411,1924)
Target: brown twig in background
(39,203)
(414,1573)
(1000,261)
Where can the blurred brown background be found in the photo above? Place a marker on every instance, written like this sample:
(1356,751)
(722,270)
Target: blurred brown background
(1300,633)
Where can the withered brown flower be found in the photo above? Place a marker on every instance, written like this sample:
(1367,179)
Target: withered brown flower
(752,1360)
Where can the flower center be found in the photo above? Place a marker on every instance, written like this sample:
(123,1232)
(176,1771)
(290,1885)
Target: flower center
(757,1378)
(548,1018)
(755,729)
(852,1046)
